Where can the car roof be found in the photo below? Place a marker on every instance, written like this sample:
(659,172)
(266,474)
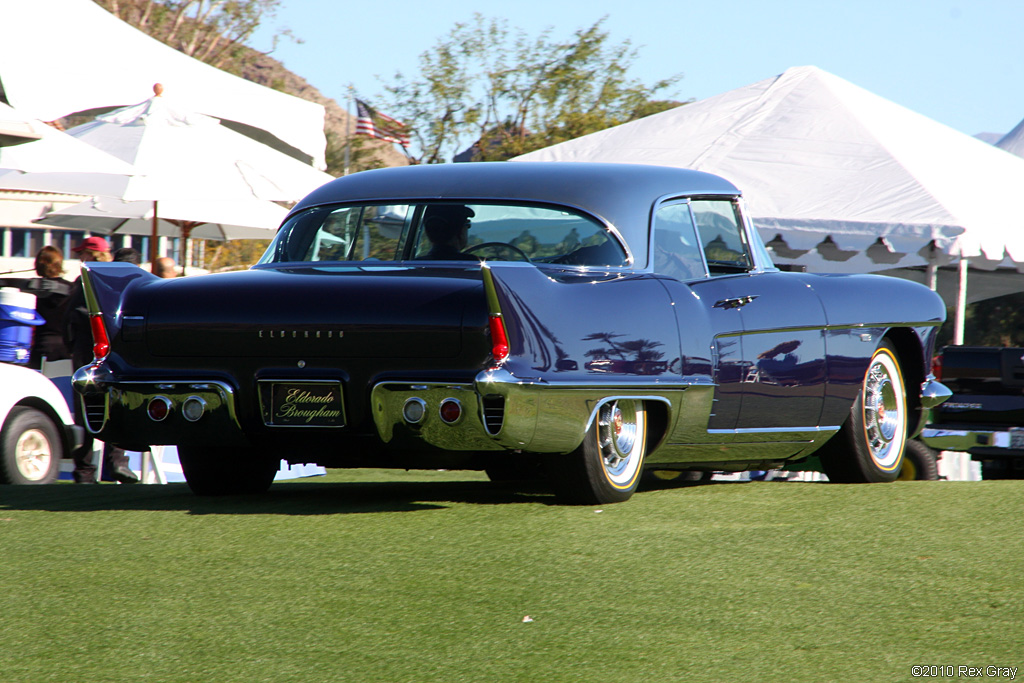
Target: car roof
(620,194)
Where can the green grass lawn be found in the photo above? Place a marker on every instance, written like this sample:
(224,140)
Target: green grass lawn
(428,576)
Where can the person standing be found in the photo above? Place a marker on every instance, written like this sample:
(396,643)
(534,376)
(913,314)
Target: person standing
(78,336)
(51,304)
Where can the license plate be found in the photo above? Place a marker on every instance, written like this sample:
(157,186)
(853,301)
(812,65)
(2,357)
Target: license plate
(1017,438)
(303,404)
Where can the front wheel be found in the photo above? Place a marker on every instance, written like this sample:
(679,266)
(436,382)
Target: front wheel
(606,467)
(870,445)
(30,448)
(226,470)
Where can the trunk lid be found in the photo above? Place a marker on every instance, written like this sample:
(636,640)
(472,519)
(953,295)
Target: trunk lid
(307,312)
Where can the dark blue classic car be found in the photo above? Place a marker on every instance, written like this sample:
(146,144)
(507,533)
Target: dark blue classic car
(580,322)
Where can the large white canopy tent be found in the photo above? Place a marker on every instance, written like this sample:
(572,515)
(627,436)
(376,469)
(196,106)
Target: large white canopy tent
(1013,142)
(61,57)
(837,178)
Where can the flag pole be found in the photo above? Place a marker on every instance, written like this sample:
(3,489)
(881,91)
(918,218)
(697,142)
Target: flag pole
(348,132)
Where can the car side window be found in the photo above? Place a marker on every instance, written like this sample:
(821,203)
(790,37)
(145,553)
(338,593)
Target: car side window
(676,250)
(721,236)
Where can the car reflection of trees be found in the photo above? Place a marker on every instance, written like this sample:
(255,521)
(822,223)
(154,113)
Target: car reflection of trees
(631,357)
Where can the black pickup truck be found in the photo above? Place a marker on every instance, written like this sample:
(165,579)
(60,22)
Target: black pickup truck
(985,414)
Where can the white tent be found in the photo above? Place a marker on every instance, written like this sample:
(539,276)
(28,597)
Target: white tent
(835,177)
(60,57)
(1013,142)
(817,157)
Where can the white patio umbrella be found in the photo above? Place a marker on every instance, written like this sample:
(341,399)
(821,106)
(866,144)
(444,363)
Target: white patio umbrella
(184,218)
(180,155)
(56,161)
(15,129)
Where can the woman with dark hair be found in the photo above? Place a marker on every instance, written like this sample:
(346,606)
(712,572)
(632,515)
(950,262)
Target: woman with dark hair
(51,303)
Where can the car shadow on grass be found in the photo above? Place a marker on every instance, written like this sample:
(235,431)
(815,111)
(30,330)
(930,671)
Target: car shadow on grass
(284,498)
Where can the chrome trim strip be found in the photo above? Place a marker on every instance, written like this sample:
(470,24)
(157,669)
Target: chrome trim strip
(609,383)
(774,430)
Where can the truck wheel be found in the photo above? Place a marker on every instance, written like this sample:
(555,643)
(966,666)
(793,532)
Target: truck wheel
(919,463)
(226,471)
(870,445)
(606,467)
(30,448)
(660,479)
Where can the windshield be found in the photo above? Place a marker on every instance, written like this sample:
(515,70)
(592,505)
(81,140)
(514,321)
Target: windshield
(446,232)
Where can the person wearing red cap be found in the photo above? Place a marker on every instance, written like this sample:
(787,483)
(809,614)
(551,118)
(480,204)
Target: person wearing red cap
(78,335)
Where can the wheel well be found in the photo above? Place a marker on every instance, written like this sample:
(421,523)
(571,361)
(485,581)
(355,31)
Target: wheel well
(912,364)
(657,423)
(45,408)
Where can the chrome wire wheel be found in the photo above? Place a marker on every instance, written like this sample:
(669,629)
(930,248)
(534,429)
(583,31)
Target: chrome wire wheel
(33,455)
(620,434)
(885,411)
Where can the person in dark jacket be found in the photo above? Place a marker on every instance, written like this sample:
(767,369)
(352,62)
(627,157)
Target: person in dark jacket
(78,335)
(51,304)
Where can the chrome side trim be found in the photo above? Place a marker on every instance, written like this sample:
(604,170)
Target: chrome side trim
(553,417)
(774,430)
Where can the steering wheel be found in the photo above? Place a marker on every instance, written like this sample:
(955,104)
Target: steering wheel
(499,246)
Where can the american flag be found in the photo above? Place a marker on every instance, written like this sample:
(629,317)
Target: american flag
(371,122)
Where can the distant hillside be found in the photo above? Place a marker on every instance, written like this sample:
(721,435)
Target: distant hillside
(265,70)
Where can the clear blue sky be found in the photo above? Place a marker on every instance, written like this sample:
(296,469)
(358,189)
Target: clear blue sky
(960,62)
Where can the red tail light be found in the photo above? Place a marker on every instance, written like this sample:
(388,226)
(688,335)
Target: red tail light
(499,339)
(100,341)
(937,366)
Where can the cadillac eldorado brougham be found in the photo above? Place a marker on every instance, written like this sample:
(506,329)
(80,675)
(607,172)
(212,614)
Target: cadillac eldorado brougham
(584,321)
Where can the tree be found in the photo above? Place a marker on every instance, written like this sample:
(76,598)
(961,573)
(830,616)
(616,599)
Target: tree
(212,31)
(512,94)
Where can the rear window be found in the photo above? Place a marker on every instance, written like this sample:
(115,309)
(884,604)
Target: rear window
(446,232)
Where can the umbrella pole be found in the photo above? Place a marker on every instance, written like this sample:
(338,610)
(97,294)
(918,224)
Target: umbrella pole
(152,240)
(186,232)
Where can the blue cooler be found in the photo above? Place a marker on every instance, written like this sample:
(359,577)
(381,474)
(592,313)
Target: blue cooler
(17,318)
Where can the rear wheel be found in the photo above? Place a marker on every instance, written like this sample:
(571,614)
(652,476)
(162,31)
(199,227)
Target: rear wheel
(225,471)
(30,448)
(870,445)
(606,467)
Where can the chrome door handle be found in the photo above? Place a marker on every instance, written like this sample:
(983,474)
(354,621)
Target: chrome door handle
(737,302)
